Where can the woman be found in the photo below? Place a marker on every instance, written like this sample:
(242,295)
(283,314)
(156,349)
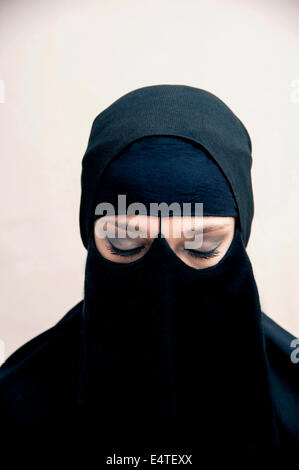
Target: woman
(168,352)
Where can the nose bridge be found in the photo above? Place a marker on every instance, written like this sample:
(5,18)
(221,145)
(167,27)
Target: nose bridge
(162,273)
(165,304)
(177,338)
(166,257)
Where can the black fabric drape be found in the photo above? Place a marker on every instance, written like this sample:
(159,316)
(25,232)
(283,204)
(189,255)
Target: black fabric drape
(48,364)
(178,360)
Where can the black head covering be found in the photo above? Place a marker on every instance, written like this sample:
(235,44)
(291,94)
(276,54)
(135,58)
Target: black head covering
(178,110)
(173,358)
(167,169)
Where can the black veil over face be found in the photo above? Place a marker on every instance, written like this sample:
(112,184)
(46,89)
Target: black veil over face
(172,357)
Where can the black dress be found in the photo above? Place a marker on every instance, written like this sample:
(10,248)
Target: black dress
(38,387)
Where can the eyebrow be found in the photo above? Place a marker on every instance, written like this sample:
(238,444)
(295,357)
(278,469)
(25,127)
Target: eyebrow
(125,226)
(192,231)
(206,229)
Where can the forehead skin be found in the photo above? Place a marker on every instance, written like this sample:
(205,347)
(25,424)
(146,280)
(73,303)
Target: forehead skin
(148,226)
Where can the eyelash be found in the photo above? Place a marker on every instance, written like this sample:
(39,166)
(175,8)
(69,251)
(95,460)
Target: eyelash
(117,251)
(134,251)
(204,254)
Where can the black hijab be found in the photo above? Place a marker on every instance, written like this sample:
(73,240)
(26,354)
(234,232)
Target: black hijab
(160,356)
(176,110)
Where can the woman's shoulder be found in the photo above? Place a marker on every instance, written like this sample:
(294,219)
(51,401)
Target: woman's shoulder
(43,367)
(27,351)
(278,337)
(282,350)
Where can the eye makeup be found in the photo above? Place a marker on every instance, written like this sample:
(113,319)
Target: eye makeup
(136,250)
(203,254)
(124,252)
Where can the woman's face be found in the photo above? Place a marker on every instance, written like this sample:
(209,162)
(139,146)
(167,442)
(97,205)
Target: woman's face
(128,237)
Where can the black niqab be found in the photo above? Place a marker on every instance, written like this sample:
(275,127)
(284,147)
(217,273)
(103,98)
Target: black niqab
(161,368)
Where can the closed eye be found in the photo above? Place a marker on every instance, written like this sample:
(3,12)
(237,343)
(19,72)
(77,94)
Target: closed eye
(133,251)
(118,251)
(204,254)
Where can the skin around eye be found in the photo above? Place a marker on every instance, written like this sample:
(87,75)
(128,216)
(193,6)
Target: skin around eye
(204,254)
(126,243)
(216,238)
(121,247)
(125,249)
(217,235)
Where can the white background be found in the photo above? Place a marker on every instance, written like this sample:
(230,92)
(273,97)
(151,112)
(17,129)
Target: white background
(62,62)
